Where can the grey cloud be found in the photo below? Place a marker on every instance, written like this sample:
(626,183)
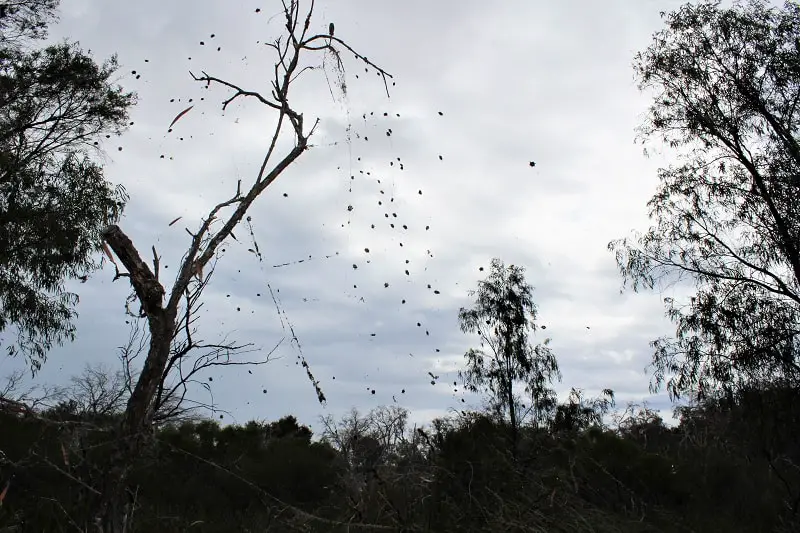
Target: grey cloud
(516,82)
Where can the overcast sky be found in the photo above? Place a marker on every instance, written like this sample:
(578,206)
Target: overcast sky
(482,89)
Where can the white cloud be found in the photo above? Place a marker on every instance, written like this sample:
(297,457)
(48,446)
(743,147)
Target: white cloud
(520,81)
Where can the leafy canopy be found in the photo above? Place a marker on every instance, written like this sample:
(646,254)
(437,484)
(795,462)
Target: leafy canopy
(726,85)
(503,315)
(56,103)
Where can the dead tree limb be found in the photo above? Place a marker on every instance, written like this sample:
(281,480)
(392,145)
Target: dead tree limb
(162,358)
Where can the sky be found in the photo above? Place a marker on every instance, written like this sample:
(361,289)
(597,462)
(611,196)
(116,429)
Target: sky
(478,91)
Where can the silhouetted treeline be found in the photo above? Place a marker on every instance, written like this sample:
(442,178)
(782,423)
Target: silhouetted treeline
(727,466)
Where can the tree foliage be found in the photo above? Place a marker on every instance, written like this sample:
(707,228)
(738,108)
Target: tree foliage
(725,83)
(56,104)
(711,472)
(502,316)
(580,413)
(24,20)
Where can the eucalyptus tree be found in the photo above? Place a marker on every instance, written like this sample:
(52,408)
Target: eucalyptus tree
(726,85)
(56,106)
(502,316)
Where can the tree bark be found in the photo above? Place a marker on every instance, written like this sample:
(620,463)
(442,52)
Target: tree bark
(134,430)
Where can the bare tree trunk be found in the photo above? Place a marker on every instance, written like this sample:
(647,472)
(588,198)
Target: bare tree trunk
(134,430)
(514,422)
(135,433)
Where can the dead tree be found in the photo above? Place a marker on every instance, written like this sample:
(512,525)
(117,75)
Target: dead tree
(166,312)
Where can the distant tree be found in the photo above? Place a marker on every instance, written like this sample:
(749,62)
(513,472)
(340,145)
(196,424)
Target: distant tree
(502,316)
(56,104)
(98,391)
(579,413)
(367,441)
(342,434)
(726,84)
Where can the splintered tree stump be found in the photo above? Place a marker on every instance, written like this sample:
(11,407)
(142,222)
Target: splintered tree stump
(147,287)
